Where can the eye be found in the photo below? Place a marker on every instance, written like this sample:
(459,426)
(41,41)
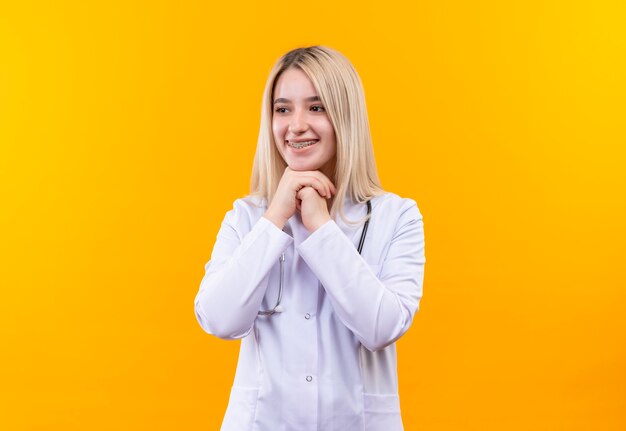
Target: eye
(279,110)
(320,107)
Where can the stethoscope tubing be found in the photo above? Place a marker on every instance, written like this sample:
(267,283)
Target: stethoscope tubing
(276,308)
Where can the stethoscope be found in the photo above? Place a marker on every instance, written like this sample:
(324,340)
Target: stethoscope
(277,308)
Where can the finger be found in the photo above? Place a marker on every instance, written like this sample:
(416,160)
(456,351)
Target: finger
(313,182)
(322,188)
(314,179)
(329,184)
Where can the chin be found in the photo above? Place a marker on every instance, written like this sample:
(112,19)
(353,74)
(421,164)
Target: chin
(303,167)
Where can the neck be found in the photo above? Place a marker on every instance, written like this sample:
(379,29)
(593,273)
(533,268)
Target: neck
(329,170)
(330,202)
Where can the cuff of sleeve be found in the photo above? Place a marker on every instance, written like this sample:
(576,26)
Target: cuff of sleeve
(266,224)
(313,242)
(278,239)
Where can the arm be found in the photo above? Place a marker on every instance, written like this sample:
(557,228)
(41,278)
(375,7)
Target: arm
(236,277)
(377,311)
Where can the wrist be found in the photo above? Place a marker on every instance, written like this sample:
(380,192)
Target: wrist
(319,223)
(277,220)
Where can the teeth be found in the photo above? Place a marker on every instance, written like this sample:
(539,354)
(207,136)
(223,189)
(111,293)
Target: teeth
(299,145)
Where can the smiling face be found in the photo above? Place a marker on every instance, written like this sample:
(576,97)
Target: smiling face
(302,130)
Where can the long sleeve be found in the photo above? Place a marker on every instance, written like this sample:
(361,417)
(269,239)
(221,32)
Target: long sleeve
(377,309)
(236,276)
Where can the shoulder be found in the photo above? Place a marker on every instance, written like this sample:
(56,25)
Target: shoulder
(246,211)
(250,203)
(390,203)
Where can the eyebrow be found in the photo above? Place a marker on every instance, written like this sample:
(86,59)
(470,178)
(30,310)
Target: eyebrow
(308,99)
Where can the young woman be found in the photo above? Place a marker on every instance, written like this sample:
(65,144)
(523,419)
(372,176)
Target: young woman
(317,300)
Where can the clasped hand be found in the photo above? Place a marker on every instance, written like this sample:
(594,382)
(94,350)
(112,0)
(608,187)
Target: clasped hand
(306,191)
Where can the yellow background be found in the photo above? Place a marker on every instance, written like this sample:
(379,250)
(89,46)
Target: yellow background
(127,129)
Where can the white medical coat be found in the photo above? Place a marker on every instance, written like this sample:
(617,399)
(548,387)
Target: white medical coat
(328,360)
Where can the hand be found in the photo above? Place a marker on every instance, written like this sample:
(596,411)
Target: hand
(285,200)
(313,208)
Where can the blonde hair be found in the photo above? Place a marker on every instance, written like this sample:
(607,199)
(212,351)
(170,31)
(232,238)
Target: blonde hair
(340,89)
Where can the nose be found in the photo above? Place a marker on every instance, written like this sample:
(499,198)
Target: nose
(298,122)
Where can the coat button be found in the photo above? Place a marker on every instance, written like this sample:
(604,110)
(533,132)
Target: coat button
(309,378)
(307,316)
